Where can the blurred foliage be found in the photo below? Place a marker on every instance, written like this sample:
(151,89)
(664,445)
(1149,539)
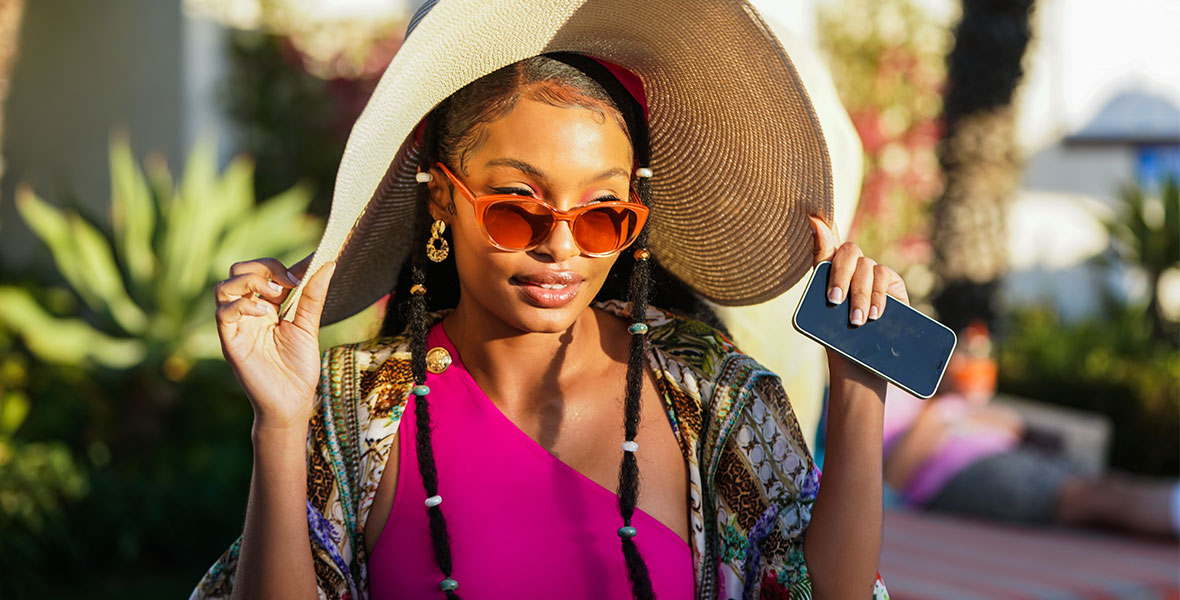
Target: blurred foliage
(36,479)
(293,123)
(1146,226)
(1112,365)
(887,58)
(1119,363)
(334,41)
(283,116)
(119,383)
(1145,231)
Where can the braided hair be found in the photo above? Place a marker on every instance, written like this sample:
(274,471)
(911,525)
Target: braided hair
(451,132)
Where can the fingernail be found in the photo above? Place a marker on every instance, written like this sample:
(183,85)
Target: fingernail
(261,308)
(274,287)
(291,278)
(858,317)
(873,313)
(835,295)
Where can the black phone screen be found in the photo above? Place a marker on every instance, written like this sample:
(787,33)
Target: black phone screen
(904,346)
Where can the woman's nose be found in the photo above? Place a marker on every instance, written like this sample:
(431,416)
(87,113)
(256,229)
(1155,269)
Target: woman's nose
(559,244)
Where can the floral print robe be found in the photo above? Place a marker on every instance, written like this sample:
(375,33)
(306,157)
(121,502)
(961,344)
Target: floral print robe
(751,477)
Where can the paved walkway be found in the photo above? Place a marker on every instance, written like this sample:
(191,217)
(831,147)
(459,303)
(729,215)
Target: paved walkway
(933,557)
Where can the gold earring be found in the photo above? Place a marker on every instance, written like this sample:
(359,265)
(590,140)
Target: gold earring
(437,249)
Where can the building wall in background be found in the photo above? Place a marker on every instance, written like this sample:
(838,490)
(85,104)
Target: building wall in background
(84,68)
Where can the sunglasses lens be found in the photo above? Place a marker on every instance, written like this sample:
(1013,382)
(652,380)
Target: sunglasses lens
(606,229)
(521,224)
(517,225)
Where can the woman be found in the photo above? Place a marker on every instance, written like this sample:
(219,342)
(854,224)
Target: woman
(505,401)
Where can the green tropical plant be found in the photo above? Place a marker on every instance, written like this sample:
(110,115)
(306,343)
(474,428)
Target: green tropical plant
(1145,231)
(117,411)
(147,290)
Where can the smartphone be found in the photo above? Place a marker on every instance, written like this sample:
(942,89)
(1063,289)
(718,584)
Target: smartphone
(903,346)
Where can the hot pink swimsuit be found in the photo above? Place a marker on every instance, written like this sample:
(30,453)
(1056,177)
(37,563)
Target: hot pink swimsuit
(523,524)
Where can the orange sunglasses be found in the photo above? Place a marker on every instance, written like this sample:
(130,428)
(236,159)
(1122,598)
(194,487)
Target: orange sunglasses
(518,223)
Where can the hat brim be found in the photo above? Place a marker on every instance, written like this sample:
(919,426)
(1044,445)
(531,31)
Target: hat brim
(737,150)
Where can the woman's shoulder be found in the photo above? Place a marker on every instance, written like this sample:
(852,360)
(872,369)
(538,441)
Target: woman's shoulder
(691,342)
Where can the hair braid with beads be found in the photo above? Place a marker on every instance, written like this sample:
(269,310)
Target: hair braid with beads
(418,326)
(451,132)
(638,294)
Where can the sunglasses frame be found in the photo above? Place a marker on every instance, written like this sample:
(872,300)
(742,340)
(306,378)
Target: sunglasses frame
(481,204)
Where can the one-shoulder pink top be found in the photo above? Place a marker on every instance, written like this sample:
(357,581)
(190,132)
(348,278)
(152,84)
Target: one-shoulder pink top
(523,524)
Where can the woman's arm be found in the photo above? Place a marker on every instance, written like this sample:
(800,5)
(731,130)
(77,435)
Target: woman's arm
(275,559)
(843,543)
(278,364)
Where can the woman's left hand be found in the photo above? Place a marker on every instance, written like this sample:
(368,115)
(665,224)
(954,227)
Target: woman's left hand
(856,277)
(843,545)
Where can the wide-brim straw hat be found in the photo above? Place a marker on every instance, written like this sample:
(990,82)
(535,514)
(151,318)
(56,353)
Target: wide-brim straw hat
(737,152)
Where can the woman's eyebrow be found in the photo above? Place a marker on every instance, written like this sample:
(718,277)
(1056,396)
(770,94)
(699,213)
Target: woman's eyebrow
(607,174)
(519,165)
(536,173)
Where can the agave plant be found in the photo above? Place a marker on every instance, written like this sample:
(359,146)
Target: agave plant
(148,288)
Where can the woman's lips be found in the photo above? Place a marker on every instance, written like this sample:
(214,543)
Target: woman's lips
(548,290)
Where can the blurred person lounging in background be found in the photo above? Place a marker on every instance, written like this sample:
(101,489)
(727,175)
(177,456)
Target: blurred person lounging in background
(960,453)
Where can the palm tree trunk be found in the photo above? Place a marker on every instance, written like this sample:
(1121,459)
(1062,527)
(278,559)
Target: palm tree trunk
(979,158)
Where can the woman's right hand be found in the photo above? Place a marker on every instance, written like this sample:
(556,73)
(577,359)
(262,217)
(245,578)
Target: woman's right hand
(276,361)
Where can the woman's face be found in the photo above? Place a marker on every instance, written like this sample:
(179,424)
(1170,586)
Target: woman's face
(565,156)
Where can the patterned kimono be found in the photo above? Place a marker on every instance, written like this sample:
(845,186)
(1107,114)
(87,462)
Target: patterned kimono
(751,477)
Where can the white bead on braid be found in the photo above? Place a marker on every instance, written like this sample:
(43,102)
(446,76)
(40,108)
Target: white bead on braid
(421,177)
(433,501)
(643,172)
(630,446)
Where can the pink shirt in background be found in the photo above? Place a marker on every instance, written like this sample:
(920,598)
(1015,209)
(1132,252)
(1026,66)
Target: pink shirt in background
(962,445)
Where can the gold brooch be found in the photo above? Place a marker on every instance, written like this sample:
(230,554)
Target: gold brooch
(437,360)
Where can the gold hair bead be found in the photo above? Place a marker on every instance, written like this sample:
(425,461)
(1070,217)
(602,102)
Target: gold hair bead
(642,254)
(418,289)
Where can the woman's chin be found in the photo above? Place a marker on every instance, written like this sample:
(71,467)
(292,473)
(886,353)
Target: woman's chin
(549,320)
(529,318)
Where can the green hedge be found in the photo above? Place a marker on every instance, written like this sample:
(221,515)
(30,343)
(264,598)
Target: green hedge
(1111,365)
